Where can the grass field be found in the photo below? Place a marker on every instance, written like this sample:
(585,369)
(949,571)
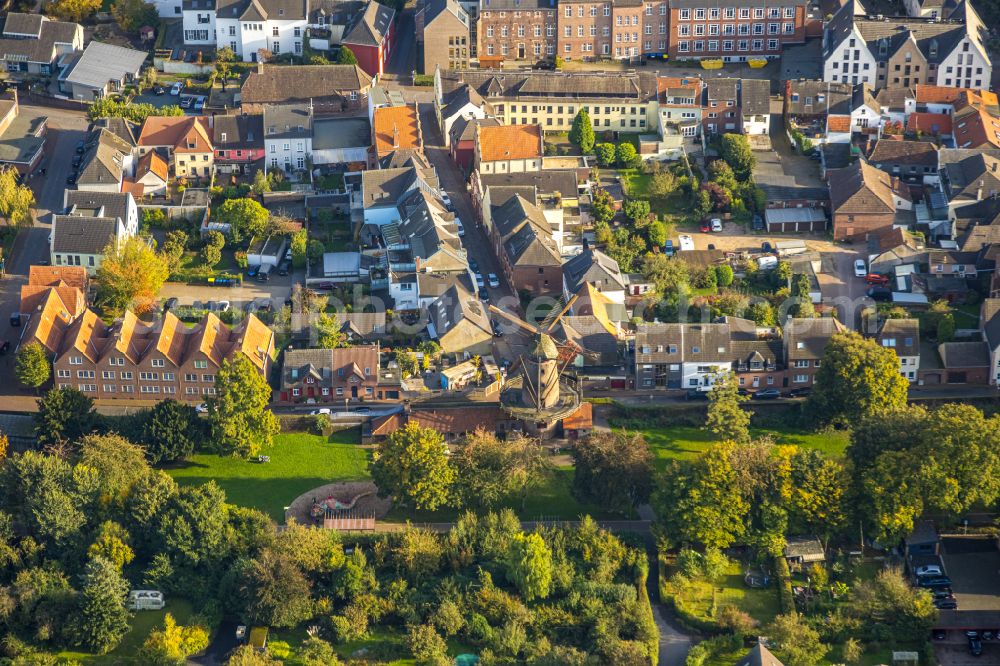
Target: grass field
(685,442)
(142,623)
(299,462)
(702,598)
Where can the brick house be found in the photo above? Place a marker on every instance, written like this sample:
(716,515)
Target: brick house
(131,359)
(805,343)
(371,37)
(516,30)
(443,29)
(864,199)
(333,375)
(523,242)
(734,31)
(331,89)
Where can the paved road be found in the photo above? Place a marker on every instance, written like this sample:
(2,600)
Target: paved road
(403,56)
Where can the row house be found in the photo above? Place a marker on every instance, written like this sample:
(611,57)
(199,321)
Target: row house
(131,359)
(346,374)
(248,27)
(915,162)
(989,325)
(382,190)
(891,52)
(239,143)
(734,31)
(615,101)
(461,103)
(831,111)
(371,37)
(33,44)
(620,29)
(508,148)
(460,323)
(902,336)
(185,141)
(395,128)
(805,344)
(527,247)
(288,134)
(92,221)
(864,199)
(679,101)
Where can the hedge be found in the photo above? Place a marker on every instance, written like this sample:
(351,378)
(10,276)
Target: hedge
(785,596)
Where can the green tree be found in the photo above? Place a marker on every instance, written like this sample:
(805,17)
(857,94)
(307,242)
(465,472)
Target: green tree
(315,250)
(16,200)
(171,645)
(582,132)
(657,233)
(637,210)
(300,244)
(314,651)
(783,272)
(110,107)
(407,362)
(111,543)
(613,469)
(261,183)
(239,413)
(211,255)
(173,249)
(669,274)
(702,204)
(134,14)
(64,415)
(346,57)
(762,313)
(74,11)
(852,651)
(796,643)
(427,646)
(662,184)
(224,59)
(101,620)
(411,466)
(801,287)
(601,205)
(626,155)
(889,608)
(246,217)
(726,418)
(274,590)
(32,365)
(736,151)
(130,276)
(247,655)
(328,331)
(857,378)
(724,275)
(605,153)
(171,431)
(946,328)
(529,566)
(491,471)
(816,503)
(117,462)
(699,502)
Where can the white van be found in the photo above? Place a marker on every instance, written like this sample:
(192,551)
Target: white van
(145,600)
(686,243)
(767,263)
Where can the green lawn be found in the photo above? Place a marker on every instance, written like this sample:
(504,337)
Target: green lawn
(142,623)
(635,183)
(299,462)
(703,599)
(685,442)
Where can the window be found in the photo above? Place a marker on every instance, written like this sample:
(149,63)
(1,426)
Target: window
(801,379)
(685,15)
(107,374)
(699,14)
(208,378)
(200,364)
(190,377)
(64,374)
(758,12)
(744,12)
(274,32)
(789,12)
(127,376)
(157,363)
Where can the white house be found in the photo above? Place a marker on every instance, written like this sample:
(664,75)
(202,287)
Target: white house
(288,135)
(903,337)
(249,27)
(116,205)
(197,21)
(93,220)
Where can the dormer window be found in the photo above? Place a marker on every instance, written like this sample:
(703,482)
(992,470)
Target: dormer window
(223,135)
(695,350)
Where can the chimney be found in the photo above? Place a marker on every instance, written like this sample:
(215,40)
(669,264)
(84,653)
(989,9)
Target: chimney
(979,191)
(395,136)
(260,66)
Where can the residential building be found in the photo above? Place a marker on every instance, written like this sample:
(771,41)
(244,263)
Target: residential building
(526,248)
(152,173)
(238,142)
(722,113)
(755,106)
(891,247)
(989,324)
(185,141)
(382,190)
(915,162)
(130,359)
(443,28)
(805,344)
(70,284)
(593,325)
(681,356)
(50,317)
(734,31)
(593,267)
(624,102)
(968,176)
(589,30)
(902,336)
(107,161)
(248,27)
(759,655)
(461,103)
(508,148)
(323,376)
(101,69)
(120,206)
(371,37)
(329,21)
(976,121)
(864,199)
(93,220)
(516,30)
(22,138)
(396,128)
(555,191)
(462,140)
(680,106)
(331,89)
(342,141)
(426,239)
(905,52)
(288,133)
(460,324)
(31,44)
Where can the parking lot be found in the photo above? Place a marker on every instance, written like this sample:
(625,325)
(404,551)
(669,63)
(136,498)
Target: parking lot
(973,564)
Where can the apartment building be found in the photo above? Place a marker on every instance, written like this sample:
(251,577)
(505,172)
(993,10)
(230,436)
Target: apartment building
(805,344)
(905,52)
(615,101)
(443,28)
(132,359)
(734,31)
(516,30)
(621,29)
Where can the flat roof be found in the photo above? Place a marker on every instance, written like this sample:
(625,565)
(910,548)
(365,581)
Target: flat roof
(333,133)
(19,143)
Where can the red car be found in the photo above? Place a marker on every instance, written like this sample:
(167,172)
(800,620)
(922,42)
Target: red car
(875,278)
(706,227)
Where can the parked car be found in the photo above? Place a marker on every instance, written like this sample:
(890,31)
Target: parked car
(934,581)
(77,161)
(695,394)
(5,347)
(880,294)
(484,295)
(876,279)
(766,247)
(474,265)
(169,304)
(81,146)
(800,392)
(252,271)
(860,269)
(946,604)
(716,225)
(446,200)
(363,410)
(940,634)
(668,248)
(493,280)
(176,89)
(941,592)
(15,318)
(767,394)
(71,179)
(480,282)
(186,102)
(757,223)
(705,227)
(284,267)
(928,570)
(461,228)
(686,243)
(199,103)
(975,645)
(158,90)
(321,410)
(497,331)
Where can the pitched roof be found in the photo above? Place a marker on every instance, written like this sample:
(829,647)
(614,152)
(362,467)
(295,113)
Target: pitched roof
(396,127)
(759,655)
(49,321)
(98,204)
(238,132)
(69,282)
(928,94)
(861,188)
(593,267)
(553,85)
(990,321)
(509,142)
(457,306)
(286,83)
(457,421)
(807,338)
(456,100)
(964,354)
(385,187)
(101,63)
(434,8)
(464,129)
(152,162)
(287,121)
(808,97)
(261,10)
(372,25)
(838,123)
(186,134)
(82,235)
(103,163)
(898,331)
(755,97)
(525,233)
(915,153)
(722,88)
(977,129)
(34,37)
(581,419)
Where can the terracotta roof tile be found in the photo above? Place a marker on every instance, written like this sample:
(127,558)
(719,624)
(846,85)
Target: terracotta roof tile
(839,123)
(171,338)
(135,189)
(256,341)
(54,276)
(87,335)
(977,130)
(396,127)
(581,419)
(458,421)
(177,132)
(930,123)
(152,162)
(510,142)
(48,323)
(927,94)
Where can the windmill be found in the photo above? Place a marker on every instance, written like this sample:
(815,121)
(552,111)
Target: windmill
(546,360)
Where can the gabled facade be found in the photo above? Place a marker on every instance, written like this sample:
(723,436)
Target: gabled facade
(443,27)
(902,336)
(331,89)
(288,134)
(324,376)
(185,141)
(864,199)
(989,325)
(371,37)
(238,142)
(31,44)
(508,149)
(524,244)
(248,27)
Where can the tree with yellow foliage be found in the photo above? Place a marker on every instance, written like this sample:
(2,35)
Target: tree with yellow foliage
(173,643)
(131,276)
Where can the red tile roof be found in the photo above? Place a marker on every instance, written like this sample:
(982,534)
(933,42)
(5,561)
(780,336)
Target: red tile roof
(396,127)
(510,142)
(930,123)
(581,419)
(839,123)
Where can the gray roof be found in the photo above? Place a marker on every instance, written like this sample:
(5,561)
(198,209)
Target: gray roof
(334,12)
(287,121)
(965,177)
(806,339)
(759,656)
(809,98)
(525,233)
(458,98)
(464,129)
(964,354)
(990,315)
(288,83)
(591,335)
(692,343)
(40,49)
(770,177)
(566,86)
(455,306)
(803,546)
(435,284)
(238,132)
(333,133)
(104,204)
(372,26)
(362,324)
(385,187)
(722,88)
(119,127)
(103,161)
(681,4)
(595,267)
(262,10)
(21,141)
(101,63)
(23,24)
(755,97)
(82,235)
(434,8)
(901,330)
(548,181)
